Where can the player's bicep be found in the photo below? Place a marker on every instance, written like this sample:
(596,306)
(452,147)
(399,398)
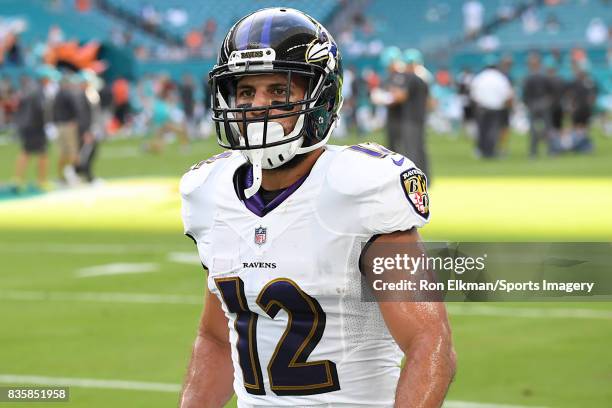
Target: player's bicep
(409,321)
(213,324)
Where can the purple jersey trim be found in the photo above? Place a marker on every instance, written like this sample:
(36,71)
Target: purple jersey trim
(256,205)
(366,151)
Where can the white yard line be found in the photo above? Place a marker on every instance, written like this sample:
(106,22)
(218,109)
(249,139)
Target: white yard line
(9,247)
(190,258)
(471,404)
(474,309)
(104,297)
(471,309)
(166,387)
(89,383)
(117,269)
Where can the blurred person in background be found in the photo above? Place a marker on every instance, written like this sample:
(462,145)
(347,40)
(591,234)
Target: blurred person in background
(205,126)
(26,85)
(406,98)
(106,103)
(473,14)
(446,105)
(464,82)
(65,117)
(206,97)
(414,110)
(88,107)
(597,31)
(5,96)
(394,95)
(356,89)
(187,96)
(492,93)
(558,86)
(166,118)
(538,93)
(581,95)
(505,66)
(121,101)
(31,118)
(369,116)
(347,122)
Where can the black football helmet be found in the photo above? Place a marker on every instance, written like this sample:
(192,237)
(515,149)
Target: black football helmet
(277,41)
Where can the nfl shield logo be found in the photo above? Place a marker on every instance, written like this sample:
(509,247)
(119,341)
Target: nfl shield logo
(260,235)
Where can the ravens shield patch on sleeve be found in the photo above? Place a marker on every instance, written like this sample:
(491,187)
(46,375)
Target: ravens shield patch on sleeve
(414,183)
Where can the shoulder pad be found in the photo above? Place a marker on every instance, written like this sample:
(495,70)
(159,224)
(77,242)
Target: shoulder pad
(362,168)
(384,191)
(198,173)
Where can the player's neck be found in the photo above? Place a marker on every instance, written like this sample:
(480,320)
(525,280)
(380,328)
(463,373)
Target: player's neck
(277,179)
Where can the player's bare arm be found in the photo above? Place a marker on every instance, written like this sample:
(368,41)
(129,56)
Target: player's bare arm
(422,331)
(210,374)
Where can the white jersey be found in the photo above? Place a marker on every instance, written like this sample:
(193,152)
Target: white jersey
(289,281)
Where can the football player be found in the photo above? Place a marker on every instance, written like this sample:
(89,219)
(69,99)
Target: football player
(280,219)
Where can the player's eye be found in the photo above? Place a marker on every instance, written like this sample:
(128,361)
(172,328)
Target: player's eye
(279,91)
(246,93)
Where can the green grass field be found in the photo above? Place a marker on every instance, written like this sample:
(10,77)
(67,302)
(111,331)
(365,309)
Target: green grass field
(124,339)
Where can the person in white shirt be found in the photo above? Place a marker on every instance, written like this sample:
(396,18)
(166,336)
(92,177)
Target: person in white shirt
(473,12)
(597,32)
(492,93)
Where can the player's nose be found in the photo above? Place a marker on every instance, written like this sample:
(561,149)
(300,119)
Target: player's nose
(260,99)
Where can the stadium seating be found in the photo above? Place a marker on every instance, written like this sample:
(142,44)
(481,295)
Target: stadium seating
(573,17)
(224,13)
(422,24)
(430,25)
(41,15)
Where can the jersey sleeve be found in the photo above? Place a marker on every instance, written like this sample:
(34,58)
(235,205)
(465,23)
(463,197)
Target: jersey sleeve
(385,191)
(191,182)
(400,201)
(197,199)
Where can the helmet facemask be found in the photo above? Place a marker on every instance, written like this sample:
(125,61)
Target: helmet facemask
(265,133)
(289,43)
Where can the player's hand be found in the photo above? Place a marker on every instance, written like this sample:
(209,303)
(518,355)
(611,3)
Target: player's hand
(381,97)
(88,138)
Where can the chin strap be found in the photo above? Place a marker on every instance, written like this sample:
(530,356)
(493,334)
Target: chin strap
(254,156)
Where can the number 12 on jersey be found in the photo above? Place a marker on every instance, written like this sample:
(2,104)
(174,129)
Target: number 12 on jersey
(289,371)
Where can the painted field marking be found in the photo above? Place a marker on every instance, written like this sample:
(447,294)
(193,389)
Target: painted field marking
(171,388)
(472,309)
(89,383)
(558,313)
(190,258)
(117,269)
(103,297)
(8,247)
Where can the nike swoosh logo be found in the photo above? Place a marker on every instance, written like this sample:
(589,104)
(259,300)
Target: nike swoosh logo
(398,162)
